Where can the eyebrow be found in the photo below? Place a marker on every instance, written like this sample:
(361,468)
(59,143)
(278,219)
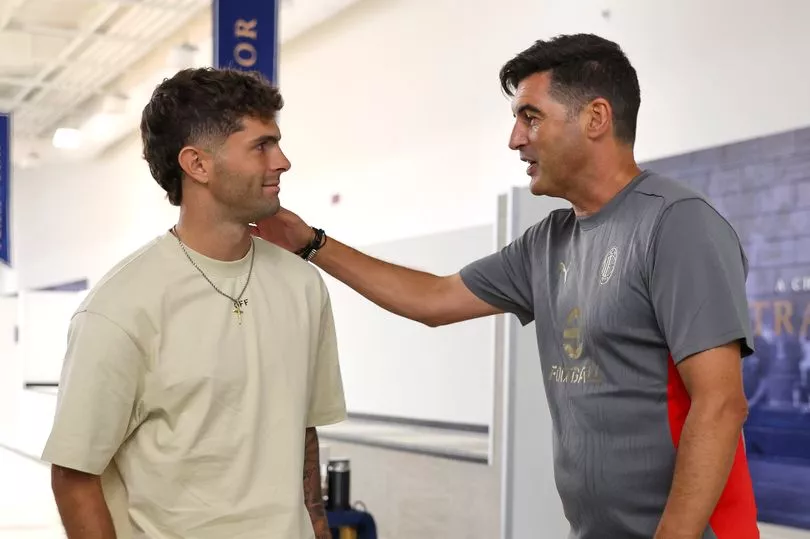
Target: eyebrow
(529,108)
(264,139)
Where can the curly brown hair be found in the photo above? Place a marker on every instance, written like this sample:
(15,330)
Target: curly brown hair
(200,106)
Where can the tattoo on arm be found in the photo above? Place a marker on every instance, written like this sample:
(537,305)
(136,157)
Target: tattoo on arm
(313,497)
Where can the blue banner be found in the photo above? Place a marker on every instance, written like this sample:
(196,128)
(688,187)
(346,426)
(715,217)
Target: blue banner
(246,35)
(5,188)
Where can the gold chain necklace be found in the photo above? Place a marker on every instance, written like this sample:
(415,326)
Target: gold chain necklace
(237,307)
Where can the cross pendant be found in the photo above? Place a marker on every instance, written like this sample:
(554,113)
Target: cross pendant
(237,310)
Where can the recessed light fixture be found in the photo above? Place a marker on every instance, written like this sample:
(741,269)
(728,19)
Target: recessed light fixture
(67,138)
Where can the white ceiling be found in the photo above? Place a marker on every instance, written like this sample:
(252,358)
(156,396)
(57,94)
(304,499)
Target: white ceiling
(91,64)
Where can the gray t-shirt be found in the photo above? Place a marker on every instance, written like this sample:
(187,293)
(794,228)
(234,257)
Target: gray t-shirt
(618,299)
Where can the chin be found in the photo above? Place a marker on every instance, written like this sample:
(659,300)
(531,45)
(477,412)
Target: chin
(266,212)
(538,187)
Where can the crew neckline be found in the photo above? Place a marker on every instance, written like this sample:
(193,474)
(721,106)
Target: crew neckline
(210,266)
(588,222)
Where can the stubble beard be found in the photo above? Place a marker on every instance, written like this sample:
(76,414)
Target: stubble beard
(242,205)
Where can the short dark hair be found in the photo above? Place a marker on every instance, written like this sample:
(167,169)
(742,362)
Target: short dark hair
(200,106)
(583,67)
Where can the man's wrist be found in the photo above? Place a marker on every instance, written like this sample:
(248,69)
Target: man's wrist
(310,237)
(316,242)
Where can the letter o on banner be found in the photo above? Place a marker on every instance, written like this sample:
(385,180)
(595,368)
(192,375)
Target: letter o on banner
(245,54)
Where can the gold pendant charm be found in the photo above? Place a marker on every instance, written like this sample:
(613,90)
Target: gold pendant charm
(237,310)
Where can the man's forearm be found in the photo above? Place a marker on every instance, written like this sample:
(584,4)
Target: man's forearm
(708,443)
(82,507)
(402,291)
(313,497)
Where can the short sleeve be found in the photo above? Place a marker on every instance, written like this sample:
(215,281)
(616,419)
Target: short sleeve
(96,402)
(504,279)
(697,271)
(327,402)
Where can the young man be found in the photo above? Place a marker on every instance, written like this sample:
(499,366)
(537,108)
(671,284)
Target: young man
(638,296)
(199,367)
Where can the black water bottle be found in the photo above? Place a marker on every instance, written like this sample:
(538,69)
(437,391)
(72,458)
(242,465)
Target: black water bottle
(338,473)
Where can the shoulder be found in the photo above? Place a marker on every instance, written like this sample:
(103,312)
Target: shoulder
(131,283)
(677,202)
(663,192)
(290,264)
(289,268)
(671,204)
(687,223)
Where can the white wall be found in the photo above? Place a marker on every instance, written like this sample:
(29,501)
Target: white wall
(73,222)
(403,95)
(44,320)
(394,367)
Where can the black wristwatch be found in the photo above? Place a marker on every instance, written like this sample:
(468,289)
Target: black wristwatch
(314,246)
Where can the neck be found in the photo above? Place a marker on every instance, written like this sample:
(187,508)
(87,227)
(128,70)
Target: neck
(211,236)
(598,183)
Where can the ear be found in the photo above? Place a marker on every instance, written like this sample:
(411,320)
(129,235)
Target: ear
(599,118)
(195,163)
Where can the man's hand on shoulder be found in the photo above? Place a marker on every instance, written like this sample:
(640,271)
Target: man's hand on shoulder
(285,229)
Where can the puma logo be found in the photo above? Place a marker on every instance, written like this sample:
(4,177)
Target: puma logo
(564,272)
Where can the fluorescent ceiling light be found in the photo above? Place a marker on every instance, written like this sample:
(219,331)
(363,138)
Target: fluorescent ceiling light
(67,138)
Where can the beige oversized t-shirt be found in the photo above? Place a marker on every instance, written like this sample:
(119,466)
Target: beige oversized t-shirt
(196,422)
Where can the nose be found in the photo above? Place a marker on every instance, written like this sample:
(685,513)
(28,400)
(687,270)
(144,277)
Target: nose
(286,165)
(279,162)
(518,138)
